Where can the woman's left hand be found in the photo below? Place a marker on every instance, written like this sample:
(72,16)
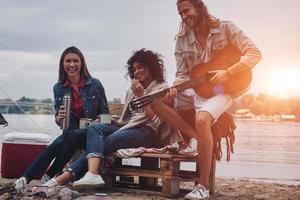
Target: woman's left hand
(219,77)
(137,88)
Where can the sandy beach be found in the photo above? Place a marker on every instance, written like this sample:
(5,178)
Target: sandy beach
(229,189)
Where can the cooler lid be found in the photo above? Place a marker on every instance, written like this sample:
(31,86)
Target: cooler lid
(32,138)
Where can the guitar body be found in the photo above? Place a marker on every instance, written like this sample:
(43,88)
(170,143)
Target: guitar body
(234,86)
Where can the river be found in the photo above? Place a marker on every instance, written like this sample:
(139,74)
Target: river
(265,151)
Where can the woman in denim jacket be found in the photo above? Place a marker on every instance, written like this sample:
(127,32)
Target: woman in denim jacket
(88,100)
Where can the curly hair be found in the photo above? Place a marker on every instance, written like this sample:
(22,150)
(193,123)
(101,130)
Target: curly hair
(149,59)
(84,72)
(207,20)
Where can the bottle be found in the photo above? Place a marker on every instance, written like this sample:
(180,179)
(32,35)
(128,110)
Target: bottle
(67,105)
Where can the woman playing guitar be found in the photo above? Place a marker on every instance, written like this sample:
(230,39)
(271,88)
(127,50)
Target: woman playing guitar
(199,40)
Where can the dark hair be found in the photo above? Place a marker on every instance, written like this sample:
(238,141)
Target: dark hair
(150,60)
(207,20)
(62,75)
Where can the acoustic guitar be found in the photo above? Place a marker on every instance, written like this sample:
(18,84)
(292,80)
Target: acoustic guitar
(235,86)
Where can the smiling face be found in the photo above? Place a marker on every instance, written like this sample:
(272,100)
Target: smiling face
(72,65)
(142,74)
(188,14)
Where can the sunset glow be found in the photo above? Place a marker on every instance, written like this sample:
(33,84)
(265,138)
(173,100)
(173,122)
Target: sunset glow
(284,82)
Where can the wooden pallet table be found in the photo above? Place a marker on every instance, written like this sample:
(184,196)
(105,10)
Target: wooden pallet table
(157,166)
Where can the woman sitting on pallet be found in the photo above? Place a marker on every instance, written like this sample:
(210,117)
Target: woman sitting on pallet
(88,100)
(135,128)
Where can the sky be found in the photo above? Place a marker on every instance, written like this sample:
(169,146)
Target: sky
(34,33)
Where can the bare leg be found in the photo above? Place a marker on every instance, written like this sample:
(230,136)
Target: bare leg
(94,165)
(169,115)
(205,146)
(64,178)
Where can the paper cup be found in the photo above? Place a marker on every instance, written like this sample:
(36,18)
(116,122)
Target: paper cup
(105,118)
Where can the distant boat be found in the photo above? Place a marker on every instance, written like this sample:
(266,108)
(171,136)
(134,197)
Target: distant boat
(243,113)
(288,118)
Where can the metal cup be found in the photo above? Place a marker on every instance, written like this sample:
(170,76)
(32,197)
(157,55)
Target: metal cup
(105,118)
(84,123)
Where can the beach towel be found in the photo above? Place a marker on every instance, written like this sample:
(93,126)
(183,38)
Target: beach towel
(134,152)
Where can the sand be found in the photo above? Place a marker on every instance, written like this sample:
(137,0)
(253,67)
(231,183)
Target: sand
(228,189)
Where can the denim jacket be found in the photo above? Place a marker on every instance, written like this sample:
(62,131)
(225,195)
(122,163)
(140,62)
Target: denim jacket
(188,51)
(92,95)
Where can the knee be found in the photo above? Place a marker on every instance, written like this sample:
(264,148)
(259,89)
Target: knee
(94,129)
(58,142)
(203,122)
(55,146)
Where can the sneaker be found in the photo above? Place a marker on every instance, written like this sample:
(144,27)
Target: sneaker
(45,179)
(51,183)
(199,192)
(89,181)
(46,191)
(191,149)
(20,184)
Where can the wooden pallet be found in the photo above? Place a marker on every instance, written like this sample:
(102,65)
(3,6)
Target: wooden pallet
(157,166)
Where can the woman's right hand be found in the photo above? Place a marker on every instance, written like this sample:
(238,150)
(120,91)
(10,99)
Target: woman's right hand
(137,88)
(62,114)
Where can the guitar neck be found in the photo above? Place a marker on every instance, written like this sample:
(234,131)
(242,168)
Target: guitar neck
(145,100)
(159,94)
(180,87)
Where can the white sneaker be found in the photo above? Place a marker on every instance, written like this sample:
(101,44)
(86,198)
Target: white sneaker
(89,181)
(51,183)
(45,179)
(20,184)
(191,149)
(199,192)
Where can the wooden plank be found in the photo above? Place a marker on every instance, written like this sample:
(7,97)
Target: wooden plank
(170,187)
(187,159)
(169,167)
(139,172)
(151,164)
(171,156)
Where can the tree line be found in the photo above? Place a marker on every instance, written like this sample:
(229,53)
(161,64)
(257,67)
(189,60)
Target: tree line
(266,104)
(261,104)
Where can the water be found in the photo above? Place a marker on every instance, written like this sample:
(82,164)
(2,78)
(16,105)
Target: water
(266,151)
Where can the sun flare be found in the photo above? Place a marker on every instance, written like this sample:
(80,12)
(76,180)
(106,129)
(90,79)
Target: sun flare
(284,82)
